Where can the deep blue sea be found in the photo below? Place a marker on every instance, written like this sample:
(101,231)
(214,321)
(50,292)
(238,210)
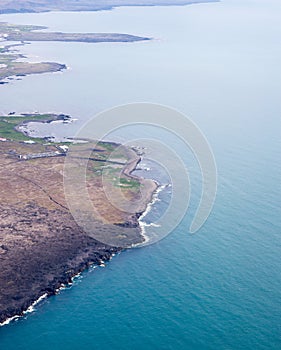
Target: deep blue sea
(219,63)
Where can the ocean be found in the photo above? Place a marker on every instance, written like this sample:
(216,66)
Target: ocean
(219,64)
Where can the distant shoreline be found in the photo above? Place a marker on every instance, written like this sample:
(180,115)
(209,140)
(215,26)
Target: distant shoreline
(10,66)
(11,7)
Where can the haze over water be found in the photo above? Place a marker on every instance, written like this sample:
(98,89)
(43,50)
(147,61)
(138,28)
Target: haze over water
(218,63)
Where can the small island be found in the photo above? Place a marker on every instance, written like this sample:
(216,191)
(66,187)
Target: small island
(41,246)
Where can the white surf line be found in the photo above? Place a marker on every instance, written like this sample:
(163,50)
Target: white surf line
(142,223)
(30,309)
(63,286)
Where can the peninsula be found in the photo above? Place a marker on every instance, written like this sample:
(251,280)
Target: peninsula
(9,61)
(41,245)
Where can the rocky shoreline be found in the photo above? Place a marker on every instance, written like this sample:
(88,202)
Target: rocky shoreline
(30,273)
(41,246)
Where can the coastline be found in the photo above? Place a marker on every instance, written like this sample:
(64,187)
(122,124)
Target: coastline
(143,225)
(151,185)
(31,308)
(64,284)
(28,310)
(74,251)
(89,6)
(10,66)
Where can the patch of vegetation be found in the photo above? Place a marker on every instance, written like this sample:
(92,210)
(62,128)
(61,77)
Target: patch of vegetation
(7,28)
(111,174)
(8,131)
(108,146)
(8,126)
(128,183)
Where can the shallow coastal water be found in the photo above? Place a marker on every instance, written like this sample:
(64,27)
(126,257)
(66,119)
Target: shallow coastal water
(218,289)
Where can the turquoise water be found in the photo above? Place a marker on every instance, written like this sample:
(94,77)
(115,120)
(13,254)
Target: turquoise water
(218,289)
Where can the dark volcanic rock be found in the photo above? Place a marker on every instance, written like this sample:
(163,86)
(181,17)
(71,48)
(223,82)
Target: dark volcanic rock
(41,250)
(41,245)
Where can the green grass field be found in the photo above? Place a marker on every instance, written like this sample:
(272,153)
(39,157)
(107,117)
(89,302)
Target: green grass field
(9,123)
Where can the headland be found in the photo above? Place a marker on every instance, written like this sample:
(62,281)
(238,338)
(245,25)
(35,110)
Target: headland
(41,245)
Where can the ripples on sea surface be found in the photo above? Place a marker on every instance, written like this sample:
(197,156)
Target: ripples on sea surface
(218,289)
